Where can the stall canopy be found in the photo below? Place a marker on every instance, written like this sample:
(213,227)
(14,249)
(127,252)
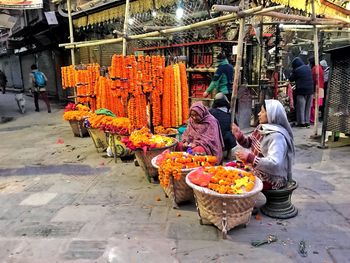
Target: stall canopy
(322,7)
(15,4)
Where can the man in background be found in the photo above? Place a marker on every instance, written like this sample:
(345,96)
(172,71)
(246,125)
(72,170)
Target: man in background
(38,81)
(3,81)
(223,78)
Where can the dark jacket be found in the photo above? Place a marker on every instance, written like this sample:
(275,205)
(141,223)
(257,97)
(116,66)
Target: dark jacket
(3,79)
(223,78)
(224,119)
(302,76)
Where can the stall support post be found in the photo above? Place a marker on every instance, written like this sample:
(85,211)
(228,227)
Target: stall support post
(237,71)
(317,72)
(126,19)
(71,40)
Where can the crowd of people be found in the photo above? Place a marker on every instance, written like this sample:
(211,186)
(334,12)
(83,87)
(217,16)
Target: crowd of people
(270,148)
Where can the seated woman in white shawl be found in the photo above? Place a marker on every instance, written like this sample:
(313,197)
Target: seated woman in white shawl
(271,146)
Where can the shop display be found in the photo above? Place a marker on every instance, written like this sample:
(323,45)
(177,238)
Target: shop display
(138,87)
(75,114)
(173,168)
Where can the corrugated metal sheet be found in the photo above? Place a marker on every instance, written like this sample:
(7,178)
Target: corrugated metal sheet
(11,67)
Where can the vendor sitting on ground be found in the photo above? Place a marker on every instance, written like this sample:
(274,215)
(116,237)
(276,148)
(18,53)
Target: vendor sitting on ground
(271,146)
(221,111)
(203,134)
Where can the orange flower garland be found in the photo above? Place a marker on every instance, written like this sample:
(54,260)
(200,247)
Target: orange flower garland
(135,82)
(172,164)
(184,92)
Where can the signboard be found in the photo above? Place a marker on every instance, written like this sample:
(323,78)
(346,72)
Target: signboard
(17,4)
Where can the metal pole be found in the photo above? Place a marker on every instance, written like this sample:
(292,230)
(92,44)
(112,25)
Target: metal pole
(126,19)
(317,72)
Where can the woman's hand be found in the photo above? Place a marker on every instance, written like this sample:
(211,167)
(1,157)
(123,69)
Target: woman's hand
(185,144)
(242,154)
(235,130)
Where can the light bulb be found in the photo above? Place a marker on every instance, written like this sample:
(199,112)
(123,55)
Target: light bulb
(179,12)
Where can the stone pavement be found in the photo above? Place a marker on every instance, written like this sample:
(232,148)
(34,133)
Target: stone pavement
(61,201)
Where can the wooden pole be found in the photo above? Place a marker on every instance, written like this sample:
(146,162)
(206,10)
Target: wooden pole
(224,8)
(125,28)
(317,72)
(237,72)
(71,35)
(71,40)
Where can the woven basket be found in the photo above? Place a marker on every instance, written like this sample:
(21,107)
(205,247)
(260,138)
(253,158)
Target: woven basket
(177,190)
(78,128)
(145,160)
(99,139)
(119,148)
(225,211)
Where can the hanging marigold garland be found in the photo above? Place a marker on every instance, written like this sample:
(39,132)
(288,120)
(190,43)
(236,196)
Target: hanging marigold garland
(184,92)
(134,82)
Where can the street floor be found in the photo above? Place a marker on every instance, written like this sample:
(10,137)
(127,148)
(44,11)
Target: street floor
(62,201)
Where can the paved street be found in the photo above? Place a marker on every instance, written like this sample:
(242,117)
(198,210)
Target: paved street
(61,201)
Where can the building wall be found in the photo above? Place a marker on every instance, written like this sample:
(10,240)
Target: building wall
(46,63)
(10,65)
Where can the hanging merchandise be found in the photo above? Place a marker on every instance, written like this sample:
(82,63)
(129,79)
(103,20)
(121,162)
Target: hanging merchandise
(138,87)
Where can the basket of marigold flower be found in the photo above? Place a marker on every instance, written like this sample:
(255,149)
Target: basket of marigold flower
(172,170)
(170,132)
(225,196)
(76,114)
(147,146)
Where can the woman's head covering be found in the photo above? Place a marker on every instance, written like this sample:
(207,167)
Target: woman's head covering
(276,114)
(206,132)
(323,63)
(278,122)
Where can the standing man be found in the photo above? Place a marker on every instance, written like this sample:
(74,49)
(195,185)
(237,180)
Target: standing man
(223,78)
(304,83)
(38,81)
(3,81)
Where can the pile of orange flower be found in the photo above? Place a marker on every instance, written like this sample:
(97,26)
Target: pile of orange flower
(224,180)
(144,139)
(230,181)
(171,164)
(76,112)
(115,125)
(164,131)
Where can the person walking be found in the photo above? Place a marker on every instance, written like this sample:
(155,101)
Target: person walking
(38,80)
(304,90)
(223,78)
(3,81)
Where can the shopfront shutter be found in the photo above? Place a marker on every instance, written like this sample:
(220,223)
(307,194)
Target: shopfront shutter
(107,51)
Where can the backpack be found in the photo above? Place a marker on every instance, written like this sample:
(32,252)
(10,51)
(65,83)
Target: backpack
(39,79)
